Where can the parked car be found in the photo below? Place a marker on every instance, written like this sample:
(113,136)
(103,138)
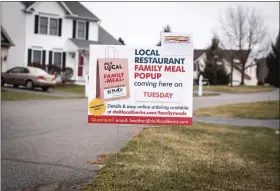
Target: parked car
(29,77)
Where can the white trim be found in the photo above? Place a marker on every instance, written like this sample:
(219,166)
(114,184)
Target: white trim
(48,14)
(57,25)
(48,24)
(39,25)
(66,7)
(31,6)
(32,56)
(77,29)
(62,3)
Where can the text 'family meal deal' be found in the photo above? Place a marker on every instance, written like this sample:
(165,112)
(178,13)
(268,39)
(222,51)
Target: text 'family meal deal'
(132,85)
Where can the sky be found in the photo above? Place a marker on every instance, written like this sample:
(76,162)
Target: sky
(140,23)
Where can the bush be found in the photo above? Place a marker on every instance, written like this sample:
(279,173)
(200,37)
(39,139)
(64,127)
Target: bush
(223,78)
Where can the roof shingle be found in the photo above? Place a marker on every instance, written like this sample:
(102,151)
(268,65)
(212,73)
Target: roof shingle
(75,7)
(106,38)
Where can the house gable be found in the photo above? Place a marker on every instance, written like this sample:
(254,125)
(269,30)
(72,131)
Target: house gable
(79,11)
(228,55)
(73,9)
(106,38)
(48,7)
(5,39)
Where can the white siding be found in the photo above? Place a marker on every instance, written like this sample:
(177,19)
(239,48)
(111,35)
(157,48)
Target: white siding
(93,31)
(13,21)
(48,42)
(4,52)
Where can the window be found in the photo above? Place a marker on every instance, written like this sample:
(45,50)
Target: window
(43,25)
(195,67)
(48,25)
(37,56)
(23,71)
(14,70)
(53,26)
(57,59)
(81,30)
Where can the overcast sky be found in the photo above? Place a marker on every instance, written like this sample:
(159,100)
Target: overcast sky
(140,23)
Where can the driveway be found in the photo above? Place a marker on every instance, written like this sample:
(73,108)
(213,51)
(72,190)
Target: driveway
(51,141)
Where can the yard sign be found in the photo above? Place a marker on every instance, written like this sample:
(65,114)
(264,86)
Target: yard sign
(142,85)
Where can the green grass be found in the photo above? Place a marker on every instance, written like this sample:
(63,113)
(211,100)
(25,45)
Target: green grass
(198,157)
(20,96)
(254,110)
(237,89)
(70,89)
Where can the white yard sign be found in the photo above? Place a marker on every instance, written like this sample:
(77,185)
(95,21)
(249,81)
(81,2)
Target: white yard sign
(140,85)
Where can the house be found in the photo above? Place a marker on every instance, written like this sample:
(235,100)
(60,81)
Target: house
(262,70)
(6,43)
(250,77)
(53,33)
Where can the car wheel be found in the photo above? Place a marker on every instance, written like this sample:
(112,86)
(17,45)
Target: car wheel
(45,88)
(2,82)
(29,84)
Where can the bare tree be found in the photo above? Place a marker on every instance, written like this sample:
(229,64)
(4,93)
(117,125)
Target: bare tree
(166,29)
(242,29)
(121,41)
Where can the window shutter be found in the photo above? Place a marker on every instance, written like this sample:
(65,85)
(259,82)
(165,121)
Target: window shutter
(50,57)
(63,60)
(74,29)
(59,27)
(87,29)
(29,55)
(44,60)
(36,24)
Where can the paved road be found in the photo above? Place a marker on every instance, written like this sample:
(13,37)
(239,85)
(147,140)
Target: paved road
(50,141)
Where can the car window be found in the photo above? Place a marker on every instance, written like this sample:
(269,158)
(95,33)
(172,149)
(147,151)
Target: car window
(23,71)
(13,70)
(38,71)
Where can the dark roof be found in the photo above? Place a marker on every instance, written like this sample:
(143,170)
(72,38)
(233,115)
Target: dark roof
(229,55)
(27,3)
(106,38)
(7,41)
(197,53)
(78,9)
(103,38)
(75,7)
(83,43)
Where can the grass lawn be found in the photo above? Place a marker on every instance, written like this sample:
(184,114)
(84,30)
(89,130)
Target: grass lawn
(198,157)
(70,89)
(254,110)
(20,96)
(236,89)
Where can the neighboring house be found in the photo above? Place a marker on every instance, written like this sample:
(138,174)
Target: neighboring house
(53,33)
(262,70)
(6,43)
(250,73)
